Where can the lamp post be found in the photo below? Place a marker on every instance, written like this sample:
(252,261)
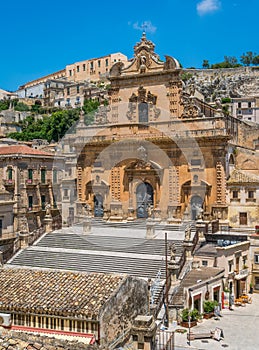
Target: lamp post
(189,326)
(166,284)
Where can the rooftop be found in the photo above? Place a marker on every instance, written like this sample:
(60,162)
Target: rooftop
(22,149)
(56,292)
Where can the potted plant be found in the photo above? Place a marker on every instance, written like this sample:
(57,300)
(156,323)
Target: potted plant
(208,308)
(194,316)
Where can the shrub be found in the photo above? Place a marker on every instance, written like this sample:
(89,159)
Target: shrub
(194,314)
(208,306)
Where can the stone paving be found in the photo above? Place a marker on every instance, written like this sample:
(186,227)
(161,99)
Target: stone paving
(240,328)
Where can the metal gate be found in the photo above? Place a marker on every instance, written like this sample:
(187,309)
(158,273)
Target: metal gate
(164,340)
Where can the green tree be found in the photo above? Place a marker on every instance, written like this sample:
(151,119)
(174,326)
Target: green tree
(205,64)
(4,104)
(229,62)
(256,60)
(247,58)
(21,107)
(90,107)
(52,127)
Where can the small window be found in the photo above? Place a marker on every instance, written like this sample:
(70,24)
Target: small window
(204,263)
(43,202)
(239,104)
(256,258)
(30,174)
(249,104)
(196,162)
(230,264)
(10,173)
(243,218)
(70,72)
(77,89)
(68,91)
(235,194)
(77,69)
(84,67)
(251,194)
(99,63)
(91,65)
(107,62)
(30,202)
(195,178)
(43,176)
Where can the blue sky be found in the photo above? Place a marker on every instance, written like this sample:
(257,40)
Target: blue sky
(41,37)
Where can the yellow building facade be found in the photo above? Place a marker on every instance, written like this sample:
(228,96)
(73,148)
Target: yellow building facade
(157,149)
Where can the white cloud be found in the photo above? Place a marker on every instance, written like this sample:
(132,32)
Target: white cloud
(208,6)
(146,26)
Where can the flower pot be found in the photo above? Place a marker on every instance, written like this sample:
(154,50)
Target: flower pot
(186,324)
(208,315)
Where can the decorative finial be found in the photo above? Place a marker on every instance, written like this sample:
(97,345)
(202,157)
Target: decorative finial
(144,28)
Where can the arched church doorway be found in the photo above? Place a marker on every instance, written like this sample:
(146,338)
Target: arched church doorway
(196,206)
(145,198)
(98,205)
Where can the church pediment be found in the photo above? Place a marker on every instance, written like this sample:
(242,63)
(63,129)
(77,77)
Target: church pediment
(145,60)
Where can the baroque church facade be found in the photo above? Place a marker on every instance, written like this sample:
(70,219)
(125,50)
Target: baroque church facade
(158,149)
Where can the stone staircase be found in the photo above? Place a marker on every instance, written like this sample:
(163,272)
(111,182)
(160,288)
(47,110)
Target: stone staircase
(107,243)
(47,258)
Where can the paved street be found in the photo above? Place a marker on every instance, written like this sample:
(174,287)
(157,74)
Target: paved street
(240,328)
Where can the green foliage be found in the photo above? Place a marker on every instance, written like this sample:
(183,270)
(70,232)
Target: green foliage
(51,128)
(209,305)
(21,107)
(247,58)
(186,76)
(229,62)
(256,60)
(90,107)
(205,64)
(226,100)
(4,104)
(194,314)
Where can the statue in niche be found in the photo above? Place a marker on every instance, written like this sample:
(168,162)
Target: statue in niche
(142,153)
(187,234)
(48,209)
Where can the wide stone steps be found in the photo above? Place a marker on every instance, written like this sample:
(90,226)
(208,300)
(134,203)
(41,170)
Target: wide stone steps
(138,224)
(108,243)
(147,268)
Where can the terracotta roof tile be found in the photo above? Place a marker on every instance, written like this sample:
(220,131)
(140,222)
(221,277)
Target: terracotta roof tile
(22,149)
(55,292)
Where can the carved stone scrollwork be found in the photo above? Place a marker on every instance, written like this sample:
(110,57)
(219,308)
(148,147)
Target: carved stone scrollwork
(116,69)
(142,97)
(190,110)
(170,63)
(101,116)
(131,111)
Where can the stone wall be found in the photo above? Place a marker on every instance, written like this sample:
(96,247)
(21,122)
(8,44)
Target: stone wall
(228,82)
(121,309)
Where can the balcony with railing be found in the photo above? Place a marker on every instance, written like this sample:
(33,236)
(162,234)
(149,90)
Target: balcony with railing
(8,182)
(31,182)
